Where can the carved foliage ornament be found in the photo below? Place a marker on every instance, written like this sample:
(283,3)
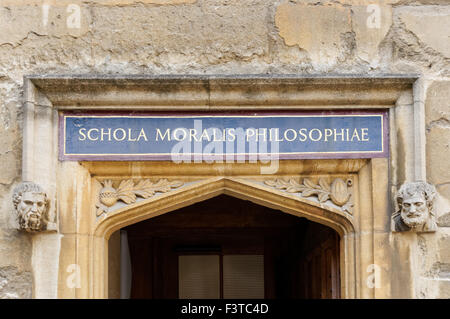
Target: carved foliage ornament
(338,191)
(32,205)
(415,208)
(127,192)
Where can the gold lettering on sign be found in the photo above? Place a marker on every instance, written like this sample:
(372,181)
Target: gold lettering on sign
(227,134)
(166,134)
(107,134)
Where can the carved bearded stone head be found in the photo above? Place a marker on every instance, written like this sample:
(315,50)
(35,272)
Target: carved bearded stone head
(31,204)
(415,202)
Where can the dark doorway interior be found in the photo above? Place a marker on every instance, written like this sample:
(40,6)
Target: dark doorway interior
(230,248)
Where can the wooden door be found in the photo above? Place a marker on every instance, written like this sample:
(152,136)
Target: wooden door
(320,270)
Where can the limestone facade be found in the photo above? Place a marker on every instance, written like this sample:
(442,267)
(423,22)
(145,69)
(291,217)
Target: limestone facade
(105,55)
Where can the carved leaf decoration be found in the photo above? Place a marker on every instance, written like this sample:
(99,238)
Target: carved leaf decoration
(348,207)
(291,186)
(323,197)
(337,192)
(144,189)
(271,183)
(176,184)
(277,183)
(125,186)
(308,183)
(162,186)
(293,182)
(309,192)
(282,184)
(127,190)
(100,209)
(295,185)
(292,189)
(128,197)
(324,184)
(107,183)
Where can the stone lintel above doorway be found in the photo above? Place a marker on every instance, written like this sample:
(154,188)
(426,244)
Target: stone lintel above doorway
(221,92)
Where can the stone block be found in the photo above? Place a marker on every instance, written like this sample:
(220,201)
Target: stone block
(15,248)
(431,25)
(444,249)
(14,283)
(9,167)
(437,107)
(18,22)
(437,119)
(370,24)
(324,31)
(437,154)
(9,134)
(444,289)
(444,220)
(180,35)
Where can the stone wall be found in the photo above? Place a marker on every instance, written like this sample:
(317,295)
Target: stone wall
(226,37)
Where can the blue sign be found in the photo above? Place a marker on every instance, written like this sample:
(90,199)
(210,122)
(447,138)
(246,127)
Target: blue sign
(214,136)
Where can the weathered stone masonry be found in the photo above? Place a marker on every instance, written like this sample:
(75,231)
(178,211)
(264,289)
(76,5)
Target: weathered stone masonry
(232,37)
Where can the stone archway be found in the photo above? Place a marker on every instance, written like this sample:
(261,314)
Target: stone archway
(239,188)
(224,247)
(74,251)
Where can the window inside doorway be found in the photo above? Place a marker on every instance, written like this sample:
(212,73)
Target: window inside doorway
(221,276)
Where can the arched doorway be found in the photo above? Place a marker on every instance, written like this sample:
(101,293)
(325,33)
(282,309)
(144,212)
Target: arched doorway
(79,249)
(225,247)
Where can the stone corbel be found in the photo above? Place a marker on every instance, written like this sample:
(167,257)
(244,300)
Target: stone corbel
(127,191)
(32,205)
(415,211)
(339,192)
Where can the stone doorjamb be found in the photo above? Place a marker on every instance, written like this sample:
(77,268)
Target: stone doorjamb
(72,262)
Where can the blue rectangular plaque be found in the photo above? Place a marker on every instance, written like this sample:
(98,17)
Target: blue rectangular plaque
(155,136)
